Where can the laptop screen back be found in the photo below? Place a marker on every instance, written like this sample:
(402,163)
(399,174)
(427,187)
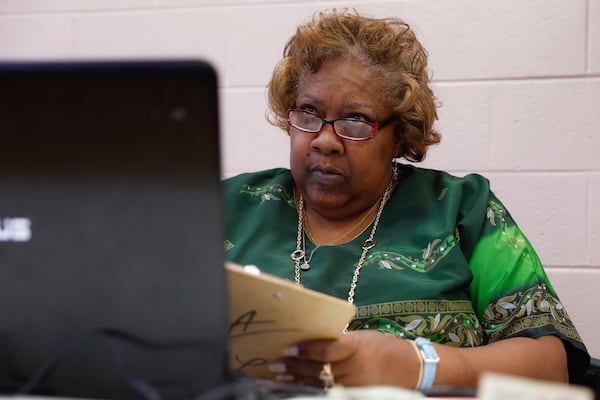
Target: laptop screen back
(111,232)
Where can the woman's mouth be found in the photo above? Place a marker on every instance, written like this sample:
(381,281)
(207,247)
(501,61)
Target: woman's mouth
(327,176)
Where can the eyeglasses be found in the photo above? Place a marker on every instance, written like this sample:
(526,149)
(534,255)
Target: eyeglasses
(347,128)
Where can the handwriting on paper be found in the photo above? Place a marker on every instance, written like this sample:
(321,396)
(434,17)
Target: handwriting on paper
(249,324)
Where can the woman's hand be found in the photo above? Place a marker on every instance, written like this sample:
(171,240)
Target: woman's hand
(358,358)
(367,358)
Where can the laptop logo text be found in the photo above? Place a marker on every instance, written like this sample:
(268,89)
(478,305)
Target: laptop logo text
(15,229)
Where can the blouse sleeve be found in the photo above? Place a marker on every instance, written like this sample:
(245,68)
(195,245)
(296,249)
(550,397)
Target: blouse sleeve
(511,292)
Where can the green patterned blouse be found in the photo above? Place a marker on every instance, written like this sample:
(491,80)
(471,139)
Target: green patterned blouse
(449,263)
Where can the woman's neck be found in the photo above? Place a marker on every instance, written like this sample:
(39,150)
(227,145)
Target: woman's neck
(322,231)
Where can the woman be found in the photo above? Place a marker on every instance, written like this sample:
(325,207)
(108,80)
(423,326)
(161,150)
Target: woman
(446,285)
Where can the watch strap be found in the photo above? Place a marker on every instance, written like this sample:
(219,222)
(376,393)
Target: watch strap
(430,361)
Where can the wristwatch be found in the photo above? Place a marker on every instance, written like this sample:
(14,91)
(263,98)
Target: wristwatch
(430,361)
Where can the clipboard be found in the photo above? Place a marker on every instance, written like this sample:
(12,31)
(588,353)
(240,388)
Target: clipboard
(268,313)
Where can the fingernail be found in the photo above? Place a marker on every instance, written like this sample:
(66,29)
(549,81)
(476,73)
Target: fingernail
(291,351)
(284,378)
(278,368)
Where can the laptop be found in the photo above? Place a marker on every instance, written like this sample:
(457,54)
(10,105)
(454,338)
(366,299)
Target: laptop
(112,283)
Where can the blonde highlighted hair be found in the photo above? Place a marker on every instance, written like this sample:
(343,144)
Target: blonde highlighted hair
(387,45)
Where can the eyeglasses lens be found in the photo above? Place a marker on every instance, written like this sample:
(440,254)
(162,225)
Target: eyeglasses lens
(309,122)
(353,129)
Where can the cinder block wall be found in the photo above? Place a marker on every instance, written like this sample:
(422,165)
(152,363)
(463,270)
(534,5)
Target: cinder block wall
(519,81)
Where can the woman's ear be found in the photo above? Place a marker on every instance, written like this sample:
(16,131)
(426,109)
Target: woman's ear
(397,139)
(397,146)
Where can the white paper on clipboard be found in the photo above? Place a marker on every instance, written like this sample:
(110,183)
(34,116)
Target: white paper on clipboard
(268,313)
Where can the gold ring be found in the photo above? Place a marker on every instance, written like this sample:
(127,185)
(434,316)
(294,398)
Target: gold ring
(326,375)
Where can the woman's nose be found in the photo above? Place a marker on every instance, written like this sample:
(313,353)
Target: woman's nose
(326,141)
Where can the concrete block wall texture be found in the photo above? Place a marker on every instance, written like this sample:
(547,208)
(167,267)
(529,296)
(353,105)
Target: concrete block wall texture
(519,83)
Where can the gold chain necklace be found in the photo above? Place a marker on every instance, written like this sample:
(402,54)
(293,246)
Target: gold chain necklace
(305,266)
(367,245)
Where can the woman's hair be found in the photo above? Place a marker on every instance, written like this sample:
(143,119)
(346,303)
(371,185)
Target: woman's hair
(388,45)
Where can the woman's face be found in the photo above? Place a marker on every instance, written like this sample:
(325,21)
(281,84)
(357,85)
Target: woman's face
(338,177)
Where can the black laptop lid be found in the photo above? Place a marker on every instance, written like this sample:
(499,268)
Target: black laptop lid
(111,232)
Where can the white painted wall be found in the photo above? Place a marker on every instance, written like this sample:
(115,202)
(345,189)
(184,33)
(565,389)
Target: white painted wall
(519,81)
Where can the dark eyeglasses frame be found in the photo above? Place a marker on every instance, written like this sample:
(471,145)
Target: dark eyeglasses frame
(375,125)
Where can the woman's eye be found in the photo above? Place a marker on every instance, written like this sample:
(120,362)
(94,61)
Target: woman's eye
(310,109)
(357,117)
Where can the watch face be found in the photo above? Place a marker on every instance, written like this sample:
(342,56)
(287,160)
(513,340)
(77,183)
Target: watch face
(427,350)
